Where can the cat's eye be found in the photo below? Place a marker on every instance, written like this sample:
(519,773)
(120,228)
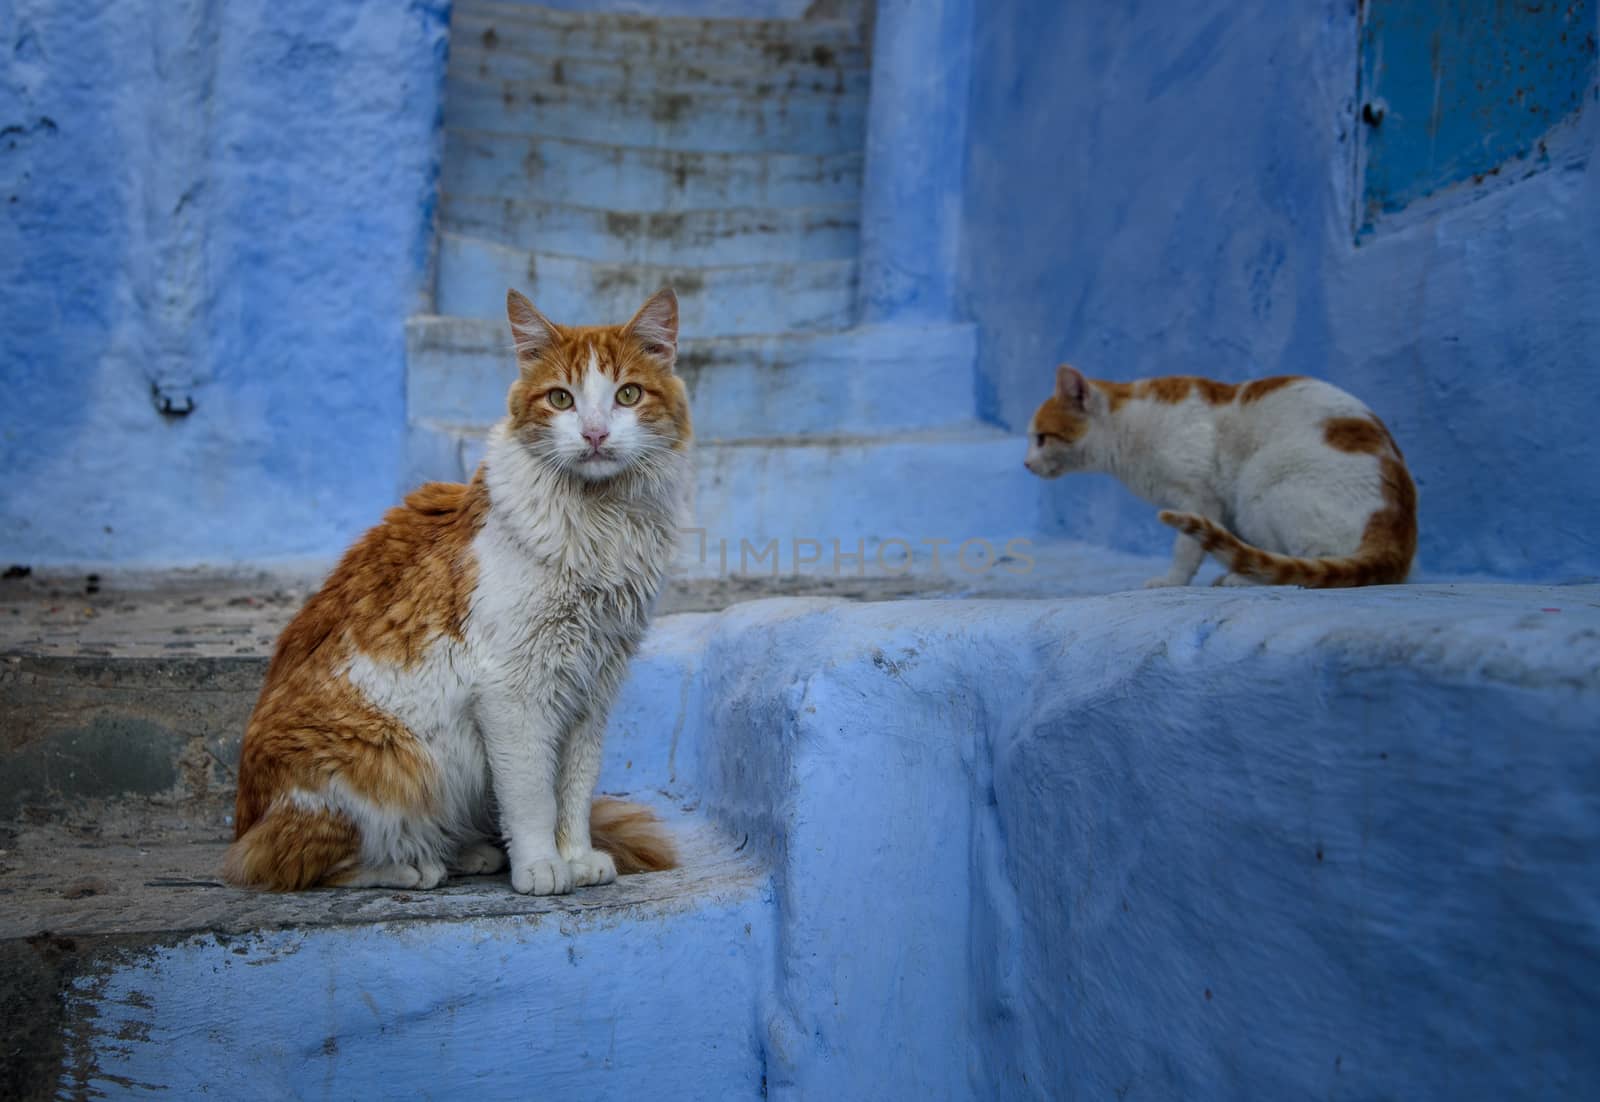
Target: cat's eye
(629,394)
(560,399)
(1039,439)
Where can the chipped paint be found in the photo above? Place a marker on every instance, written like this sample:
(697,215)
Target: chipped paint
(1453,93)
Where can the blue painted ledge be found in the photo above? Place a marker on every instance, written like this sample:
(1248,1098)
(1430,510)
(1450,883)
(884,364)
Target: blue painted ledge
(1171,844)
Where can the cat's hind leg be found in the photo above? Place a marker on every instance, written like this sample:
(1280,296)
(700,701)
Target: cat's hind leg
(478,858)
(420,876)
(293,847)
(1187,555)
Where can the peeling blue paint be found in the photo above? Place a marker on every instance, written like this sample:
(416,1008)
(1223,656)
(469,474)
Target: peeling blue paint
(1453,92)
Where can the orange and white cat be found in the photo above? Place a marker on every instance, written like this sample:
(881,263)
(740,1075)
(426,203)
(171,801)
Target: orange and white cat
(440,703)
(1287,480)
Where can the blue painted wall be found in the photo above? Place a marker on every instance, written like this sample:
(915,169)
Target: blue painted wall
(1168,188)
(1182,844)
(233,203)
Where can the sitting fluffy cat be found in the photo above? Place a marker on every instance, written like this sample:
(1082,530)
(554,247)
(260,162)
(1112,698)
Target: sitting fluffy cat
(1287,480)
(440,702)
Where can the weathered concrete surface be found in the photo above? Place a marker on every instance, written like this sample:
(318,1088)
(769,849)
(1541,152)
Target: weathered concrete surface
(129,968)
(1188,843)
(132,867)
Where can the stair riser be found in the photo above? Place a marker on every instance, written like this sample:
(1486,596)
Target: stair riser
(724,44)
(631,75)
(742,389)
(669,120)
(473,277)
(620,178)
(829,396)
(864,495)
(474,1007)
(714,237)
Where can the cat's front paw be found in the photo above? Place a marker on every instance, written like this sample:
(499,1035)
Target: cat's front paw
(551,876)
(1164,581)
(593,867)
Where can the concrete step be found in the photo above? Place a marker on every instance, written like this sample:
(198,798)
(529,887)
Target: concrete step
(753,298)
(876,495)
(617,177)
(853,381)
(748,235)
(143,972)
(469,60)
(1167,825)
(673,41)
(1344,815)
(717,121)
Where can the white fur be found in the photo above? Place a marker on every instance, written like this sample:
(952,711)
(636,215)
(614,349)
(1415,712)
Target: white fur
(1262,469)
(568,563)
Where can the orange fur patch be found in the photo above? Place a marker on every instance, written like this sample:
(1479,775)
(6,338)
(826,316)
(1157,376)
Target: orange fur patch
(1361,435)
(1116,393)
(1258,389)
(1172,389)
(1054,418)
(404,584)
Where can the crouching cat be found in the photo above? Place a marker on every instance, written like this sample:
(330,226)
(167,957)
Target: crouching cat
(440,702)
(1287,480)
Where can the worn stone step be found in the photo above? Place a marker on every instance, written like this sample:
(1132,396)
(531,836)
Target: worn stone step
(850,381)
(754,298)
(739,235)
(470,61)
(140,971)
(617,177)
(718,121)
(670,40)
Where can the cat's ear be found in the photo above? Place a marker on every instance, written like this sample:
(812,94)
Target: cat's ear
(1072,388)
(534,333)
(655,326)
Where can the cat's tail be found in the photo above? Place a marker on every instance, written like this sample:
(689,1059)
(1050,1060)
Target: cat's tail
(633,836)
(1384,557)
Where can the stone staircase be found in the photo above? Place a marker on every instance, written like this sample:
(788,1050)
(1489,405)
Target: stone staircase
(592,158)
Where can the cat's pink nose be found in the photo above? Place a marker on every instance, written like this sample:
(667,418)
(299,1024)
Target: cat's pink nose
(596,437)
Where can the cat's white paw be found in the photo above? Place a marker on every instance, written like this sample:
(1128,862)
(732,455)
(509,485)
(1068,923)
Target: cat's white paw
(1163,581)
(593,867)
(1234,579)
(551,876)
(423,877)
(479,858)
